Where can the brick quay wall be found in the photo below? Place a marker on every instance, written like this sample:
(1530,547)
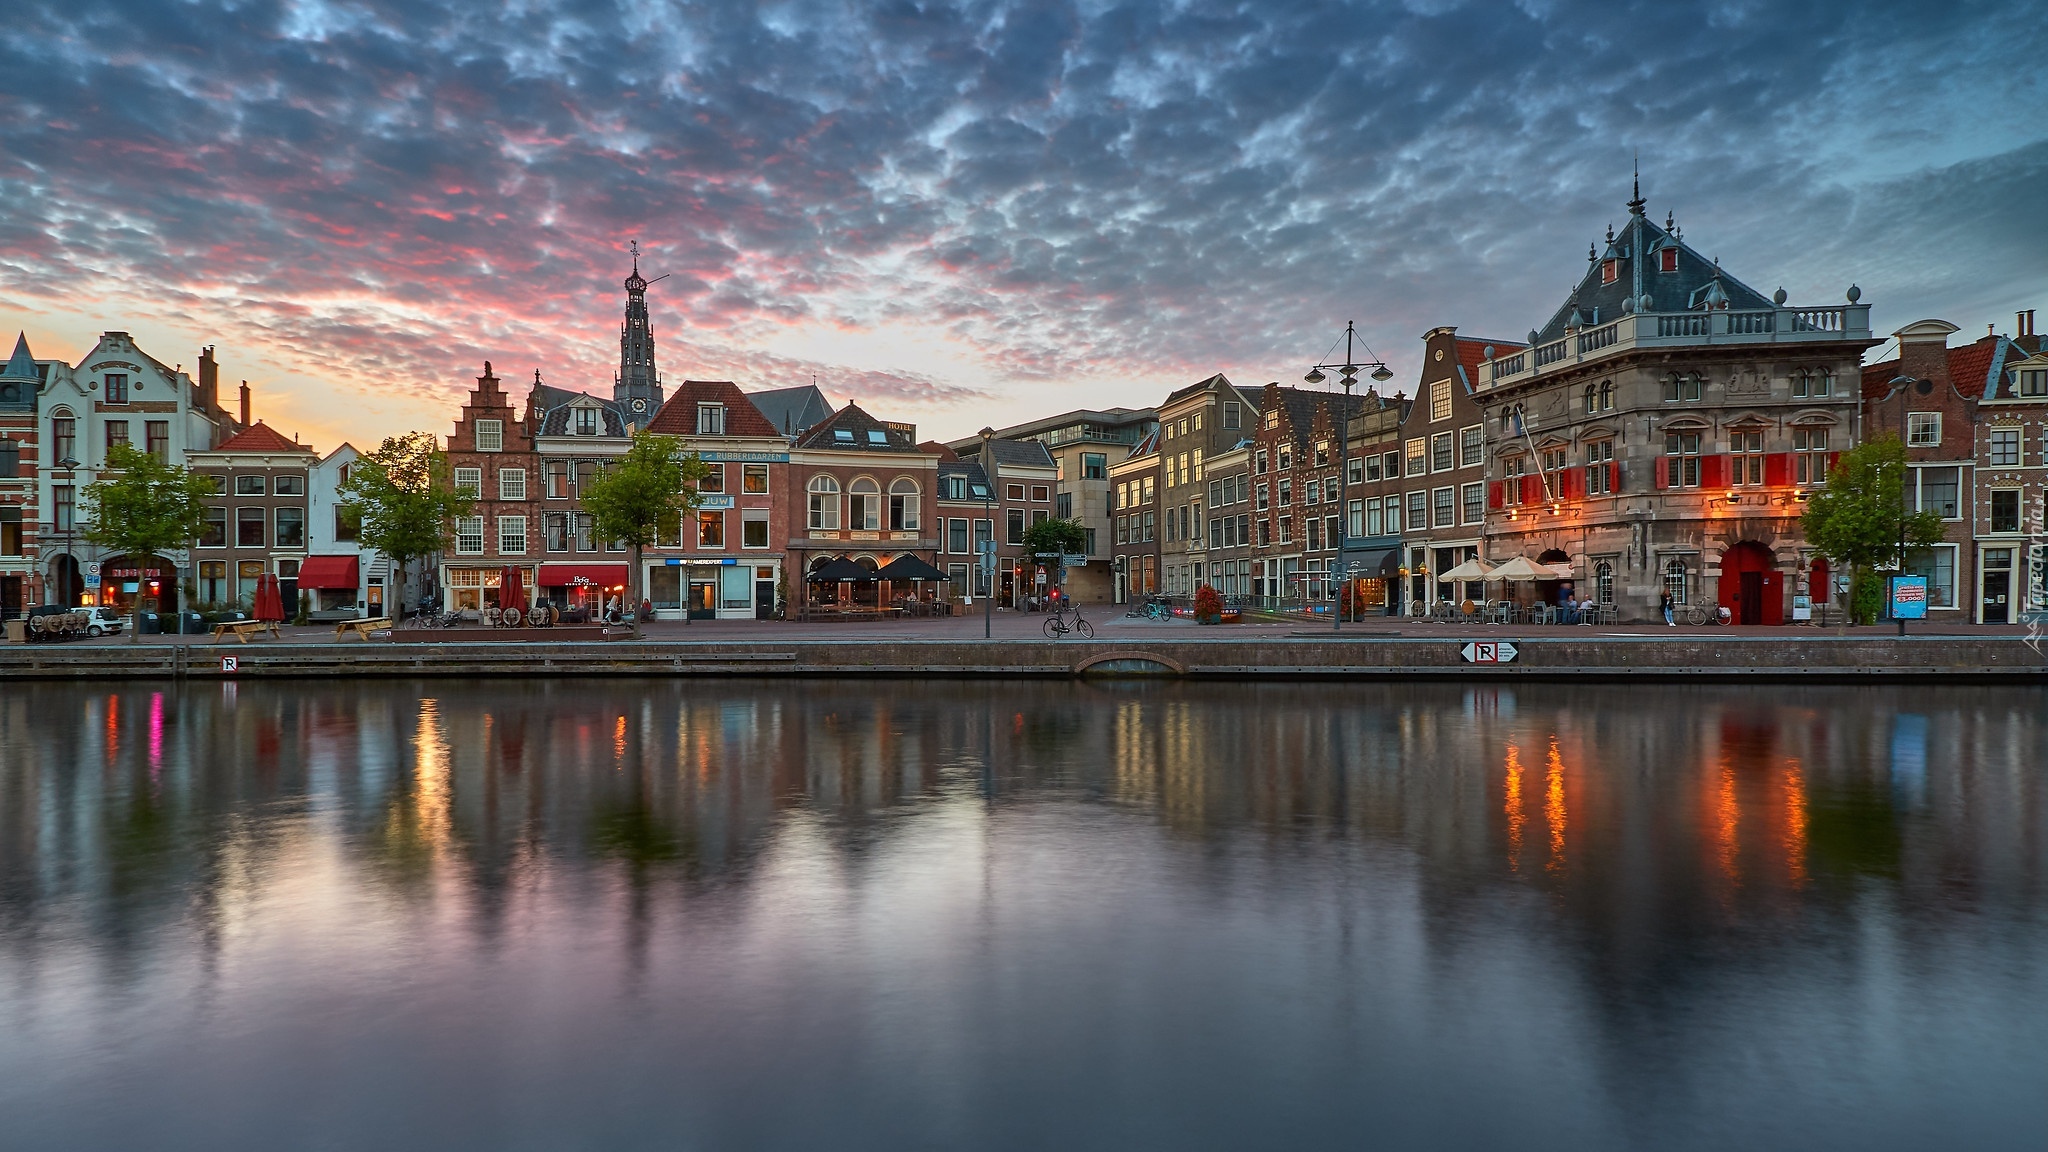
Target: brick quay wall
(1714,657)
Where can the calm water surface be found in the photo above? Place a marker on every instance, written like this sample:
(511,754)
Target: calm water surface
(629,915)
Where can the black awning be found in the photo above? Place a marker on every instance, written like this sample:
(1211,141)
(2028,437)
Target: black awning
(1374,563)
(909,567)
(840,570)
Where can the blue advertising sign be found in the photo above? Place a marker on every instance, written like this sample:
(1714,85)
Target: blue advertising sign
(1909,597)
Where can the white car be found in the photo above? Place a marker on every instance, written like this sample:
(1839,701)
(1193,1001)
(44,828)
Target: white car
(101,621)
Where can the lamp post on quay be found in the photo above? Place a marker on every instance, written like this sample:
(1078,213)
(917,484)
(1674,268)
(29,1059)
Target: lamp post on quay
(1347,374)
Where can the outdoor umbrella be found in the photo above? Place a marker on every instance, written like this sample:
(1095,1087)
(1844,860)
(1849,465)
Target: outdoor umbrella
(511,593)
(1522,570)
(841,571)
(269,599)
(1474,569)
(909,567)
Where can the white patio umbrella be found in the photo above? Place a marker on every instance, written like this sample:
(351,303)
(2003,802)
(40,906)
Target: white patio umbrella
(1521,569)
(1473,569)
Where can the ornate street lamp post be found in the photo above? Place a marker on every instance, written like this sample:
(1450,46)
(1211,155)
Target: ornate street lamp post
(1347,374)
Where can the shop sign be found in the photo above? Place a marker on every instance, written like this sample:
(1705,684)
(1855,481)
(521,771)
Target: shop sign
(1488,652)
(744,457)
(715,503)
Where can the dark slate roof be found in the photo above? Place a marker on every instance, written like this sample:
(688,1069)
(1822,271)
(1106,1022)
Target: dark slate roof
(861,433)
(1301,407)
(1217,381)
(967,468)
(678,417)
(1698,284)
(21,365)
(1023,453)
(1149,445)
(793,411)
(554,402)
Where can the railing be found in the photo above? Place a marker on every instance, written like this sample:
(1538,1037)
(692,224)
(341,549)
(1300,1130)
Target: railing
(1683,324)
(1510,365)
(1552,353)
(1637,331)
(1749,323)
(1599,338)
(1818,320)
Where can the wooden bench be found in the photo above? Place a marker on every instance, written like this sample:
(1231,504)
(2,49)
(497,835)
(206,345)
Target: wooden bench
(361,628)
(241,630)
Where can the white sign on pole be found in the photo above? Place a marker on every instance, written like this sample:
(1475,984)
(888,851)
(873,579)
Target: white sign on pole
(228,663)
(91,568)
(1488,652)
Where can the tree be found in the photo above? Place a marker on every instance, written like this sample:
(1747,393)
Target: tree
(652,485)
(1860,518)
(403,499)
(141,506)
(1065,537)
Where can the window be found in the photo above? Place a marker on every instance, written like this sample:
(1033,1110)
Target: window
(903,505)
(1553,460)
(117,388)
(1812,383)
(585,533)
(1390,465)
(1610,271)
(2005,448)
(1393,509)
(117,433)
(1329,489)
(291,527)
(1273,418)
(1810,456)
(1354,470)
(2033,382)
(1603,583)
(248,485)
(864,506)
(556,527)
(1440,401)
(1938,564)
(289,486)
(1094,466)
(1063,505)
(511,483)
(714,479)
(1311,492)
(754,479)
(1287,529)
(1286,493)
(490,435)
(1682,386)
(157,438)
(1418,456)
(64,438)
(1746,459)
(468,482)
(1014,526)
(878,436)
(1264,500)
(1312,530)
(754,528)
(824,493)
(1472,503)
(710,419)
(1471,446)
(1013,491)
(1418,510)
(1923,429)
(1675,582)
(348,524)
(1148,490)
(956,536)
(512,535)
(2005,510)
(710,528)
(249,527)
(215,533)
(1444,508)
(1259,462)
(1592,401)
(213,581)
(1940,492)
(1040,493)
(1667,260)
(1683,451)
(585,472)
(469,535)
(1440,452)
(1233,415)
(556,473)
(1286,460)
(586,421)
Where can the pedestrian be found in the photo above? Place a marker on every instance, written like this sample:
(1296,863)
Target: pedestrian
(1666,605)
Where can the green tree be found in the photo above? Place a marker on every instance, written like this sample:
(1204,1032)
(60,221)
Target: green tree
(141,506)
(1066,537)
(404,500)
(1860,518)
(654,484)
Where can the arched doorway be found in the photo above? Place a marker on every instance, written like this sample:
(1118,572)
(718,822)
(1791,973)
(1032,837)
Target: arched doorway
(1548,591)
(1751,588)
(67,583)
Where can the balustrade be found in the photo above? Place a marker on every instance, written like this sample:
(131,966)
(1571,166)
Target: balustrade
(1682,324)
(1750,323)
(1552,353)
(1818,320)
(1599,338)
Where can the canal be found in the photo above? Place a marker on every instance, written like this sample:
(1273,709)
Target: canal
(625,915)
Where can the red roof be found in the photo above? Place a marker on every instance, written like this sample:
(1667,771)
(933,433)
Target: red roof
(1969,369)
(1472,357)
(260,437)
(678,417)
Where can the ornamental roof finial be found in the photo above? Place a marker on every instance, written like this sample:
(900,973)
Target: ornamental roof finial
(1635,204)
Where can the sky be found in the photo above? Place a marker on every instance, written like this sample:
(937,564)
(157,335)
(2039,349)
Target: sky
(970,213)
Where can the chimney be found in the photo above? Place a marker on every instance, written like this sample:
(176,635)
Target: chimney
(209,379)
(2023,323)
(245,403)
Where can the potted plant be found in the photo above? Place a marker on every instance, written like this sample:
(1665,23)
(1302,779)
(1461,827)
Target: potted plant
(1208,605)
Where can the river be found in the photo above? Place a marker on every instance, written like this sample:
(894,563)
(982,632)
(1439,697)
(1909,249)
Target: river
(782,914)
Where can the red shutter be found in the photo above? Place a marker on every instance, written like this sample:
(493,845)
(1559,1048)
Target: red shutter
(1778,469)
(1496,496)
(1571,483)
(1663,471)
(1614,477)
(1834,461)
(1713,471)
(1532,489)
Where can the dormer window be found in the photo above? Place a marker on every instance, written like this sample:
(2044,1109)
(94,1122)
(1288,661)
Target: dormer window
(710,419)
(586,421)
(956,487)
(1667,260)
(842,435)
(877,436)
(1610,271)
(2034,382)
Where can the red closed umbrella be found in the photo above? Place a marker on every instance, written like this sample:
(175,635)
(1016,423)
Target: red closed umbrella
(511,593)
(269,599)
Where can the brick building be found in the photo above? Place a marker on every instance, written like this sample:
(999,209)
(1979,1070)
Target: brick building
(1202,420)
(1298,493)
(1443,467)
(21,385)
(726,562)
(258,522)
(866,487)
(1134,485)
(491,459)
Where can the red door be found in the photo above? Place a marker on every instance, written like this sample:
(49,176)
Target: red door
(1750,590)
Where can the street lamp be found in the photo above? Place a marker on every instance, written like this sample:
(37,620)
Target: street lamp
(1347,374)
(1905,386)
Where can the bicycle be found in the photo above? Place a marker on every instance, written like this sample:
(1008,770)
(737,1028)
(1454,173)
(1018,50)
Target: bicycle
(1056,625)
(1151,610)
(1702,615)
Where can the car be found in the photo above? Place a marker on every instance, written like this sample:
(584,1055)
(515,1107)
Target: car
(101,621)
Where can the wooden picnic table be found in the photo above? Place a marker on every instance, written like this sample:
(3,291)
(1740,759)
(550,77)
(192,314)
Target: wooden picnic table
(346,628)
(241,630)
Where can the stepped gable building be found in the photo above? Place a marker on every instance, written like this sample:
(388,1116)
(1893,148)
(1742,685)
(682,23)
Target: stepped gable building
(491,459)
(865,486)
(1971,431)
(1374,503)
(1134,488)
(1708,411)
(726,562)
(1298,491)
(257,522)
(21,384)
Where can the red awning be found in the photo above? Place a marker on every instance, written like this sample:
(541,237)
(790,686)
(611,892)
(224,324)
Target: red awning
(329,572)
(564,575)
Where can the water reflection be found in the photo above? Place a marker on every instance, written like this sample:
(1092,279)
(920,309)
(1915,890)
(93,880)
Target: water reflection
(990,913)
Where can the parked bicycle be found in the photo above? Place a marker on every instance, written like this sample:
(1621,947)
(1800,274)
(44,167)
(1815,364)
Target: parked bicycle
(1057,624)
(1157,608)
(1704,615)
(431,616)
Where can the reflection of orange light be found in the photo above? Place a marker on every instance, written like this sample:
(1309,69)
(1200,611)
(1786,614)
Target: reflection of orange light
(1514,805)
(619,739)
(1795,824)
(1727,818)
(1553,804)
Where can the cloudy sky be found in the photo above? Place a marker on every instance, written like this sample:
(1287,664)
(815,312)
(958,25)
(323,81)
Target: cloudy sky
(963,213)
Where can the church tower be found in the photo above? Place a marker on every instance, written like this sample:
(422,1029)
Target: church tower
(637,386)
